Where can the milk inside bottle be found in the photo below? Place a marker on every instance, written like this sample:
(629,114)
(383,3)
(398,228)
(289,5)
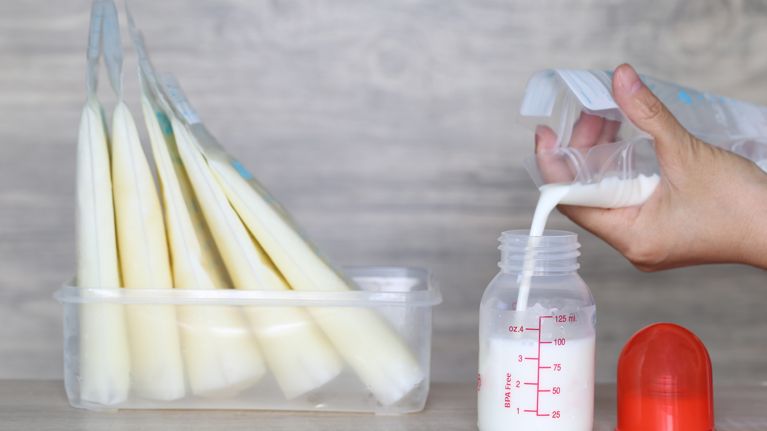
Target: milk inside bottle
(536,365)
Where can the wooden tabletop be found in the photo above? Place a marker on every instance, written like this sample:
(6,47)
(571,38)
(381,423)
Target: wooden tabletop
(41,405)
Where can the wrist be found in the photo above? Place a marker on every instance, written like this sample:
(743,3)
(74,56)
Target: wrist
(753,249)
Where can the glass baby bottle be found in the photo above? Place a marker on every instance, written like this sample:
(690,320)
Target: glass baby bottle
(537,338)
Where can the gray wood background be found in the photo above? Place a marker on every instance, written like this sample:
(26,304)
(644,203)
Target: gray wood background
(388,129)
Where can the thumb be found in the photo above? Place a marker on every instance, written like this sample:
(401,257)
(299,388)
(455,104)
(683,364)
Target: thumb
(648,113)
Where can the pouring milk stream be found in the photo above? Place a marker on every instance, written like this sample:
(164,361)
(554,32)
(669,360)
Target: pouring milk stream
(611,192)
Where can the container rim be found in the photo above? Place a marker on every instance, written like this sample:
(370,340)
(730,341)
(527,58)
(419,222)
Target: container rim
(379,286)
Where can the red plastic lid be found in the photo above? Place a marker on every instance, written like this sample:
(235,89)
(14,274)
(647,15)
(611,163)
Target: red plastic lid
(664,381)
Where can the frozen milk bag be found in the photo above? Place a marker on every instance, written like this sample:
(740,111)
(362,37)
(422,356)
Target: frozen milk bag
(157,370)
(104,358)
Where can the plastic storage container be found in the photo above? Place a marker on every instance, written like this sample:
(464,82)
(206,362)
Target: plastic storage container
(402,297)
(536,364)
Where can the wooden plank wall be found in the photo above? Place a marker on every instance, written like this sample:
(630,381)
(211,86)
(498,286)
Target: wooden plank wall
(388,129)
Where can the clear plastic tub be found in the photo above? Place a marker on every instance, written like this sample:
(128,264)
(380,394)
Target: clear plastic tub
(402,297)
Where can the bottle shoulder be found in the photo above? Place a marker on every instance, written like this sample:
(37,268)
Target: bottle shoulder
(503,289)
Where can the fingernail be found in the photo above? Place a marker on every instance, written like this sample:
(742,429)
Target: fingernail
(628,79)
(538,133)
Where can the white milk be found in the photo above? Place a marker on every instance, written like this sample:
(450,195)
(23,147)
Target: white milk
(611,192)
(561,406)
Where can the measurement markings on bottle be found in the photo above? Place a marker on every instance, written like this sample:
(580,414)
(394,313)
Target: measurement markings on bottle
(542,346)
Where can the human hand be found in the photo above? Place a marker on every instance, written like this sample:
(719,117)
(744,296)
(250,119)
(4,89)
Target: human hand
(710,205)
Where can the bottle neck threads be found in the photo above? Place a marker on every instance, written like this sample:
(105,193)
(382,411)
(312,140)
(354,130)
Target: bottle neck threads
(553,253)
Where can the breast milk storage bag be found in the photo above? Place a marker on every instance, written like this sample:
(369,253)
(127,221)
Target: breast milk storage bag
(560,98)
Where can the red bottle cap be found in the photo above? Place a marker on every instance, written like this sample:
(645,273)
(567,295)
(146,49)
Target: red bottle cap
(664,381)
